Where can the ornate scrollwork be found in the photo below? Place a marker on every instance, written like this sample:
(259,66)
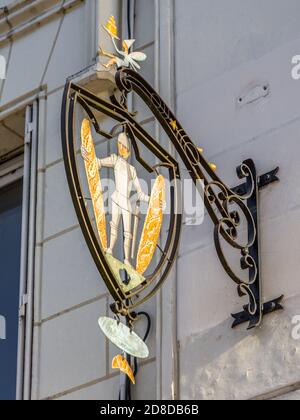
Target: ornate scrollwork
(227,229)
(218,199)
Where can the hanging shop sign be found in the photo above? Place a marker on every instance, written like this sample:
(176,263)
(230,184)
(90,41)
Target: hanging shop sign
(101,137)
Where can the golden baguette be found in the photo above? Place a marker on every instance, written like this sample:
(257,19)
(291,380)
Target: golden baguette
(94,181)
(152,226)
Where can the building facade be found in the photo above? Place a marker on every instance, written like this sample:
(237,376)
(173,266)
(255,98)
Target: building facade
(229,70)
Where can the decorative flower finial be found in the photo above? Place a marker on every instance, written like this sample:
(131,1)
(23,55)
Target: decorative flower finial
(124,57)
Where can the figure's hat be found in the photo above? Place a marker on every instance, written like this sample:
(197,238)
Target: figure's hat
(111,27)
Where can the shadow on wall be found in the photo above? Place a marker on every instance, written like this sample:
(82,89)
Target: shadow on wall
(237,364)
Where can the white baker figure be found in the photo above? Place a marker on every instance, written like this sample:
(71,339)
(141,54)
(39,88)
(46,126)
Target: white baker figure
(125,178)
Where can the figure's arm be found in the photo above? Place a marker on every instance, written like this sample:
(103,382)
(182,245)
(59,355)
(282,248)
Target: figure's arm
(137,186)
(108,162)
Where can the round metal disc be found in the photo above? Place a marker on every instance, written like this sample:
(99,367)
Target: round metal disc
(120,335)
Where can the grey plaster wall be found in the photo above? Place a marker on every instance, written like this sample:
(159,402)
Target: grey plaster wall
(222,50)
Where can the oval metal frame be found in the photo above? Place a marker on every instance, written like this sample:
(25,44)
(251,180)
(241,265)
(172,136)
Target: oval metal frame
(217,204)
(73,95)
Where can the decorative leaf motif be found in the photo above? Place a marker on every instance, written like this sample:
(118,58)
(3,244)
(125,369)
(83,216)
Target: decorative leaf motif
(119,362)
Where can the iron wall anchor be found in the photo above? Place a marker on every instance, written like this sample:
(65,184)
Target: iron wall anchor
(255,317)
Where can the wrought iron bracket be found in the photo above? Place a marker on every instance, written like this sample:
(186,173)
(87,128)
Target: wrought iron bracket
(267,308)
(262,309)
(262,182)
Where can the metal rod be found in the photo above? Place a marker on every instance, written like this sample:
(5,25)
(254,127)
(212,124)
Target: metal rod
(174,287)
(157,136)
(23,263)
(40,213)
(31,256)
(125,385)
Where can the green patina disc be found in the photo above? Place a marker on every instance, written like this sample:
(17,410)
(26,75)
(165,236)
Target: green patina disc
(120,335)
(136,279)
